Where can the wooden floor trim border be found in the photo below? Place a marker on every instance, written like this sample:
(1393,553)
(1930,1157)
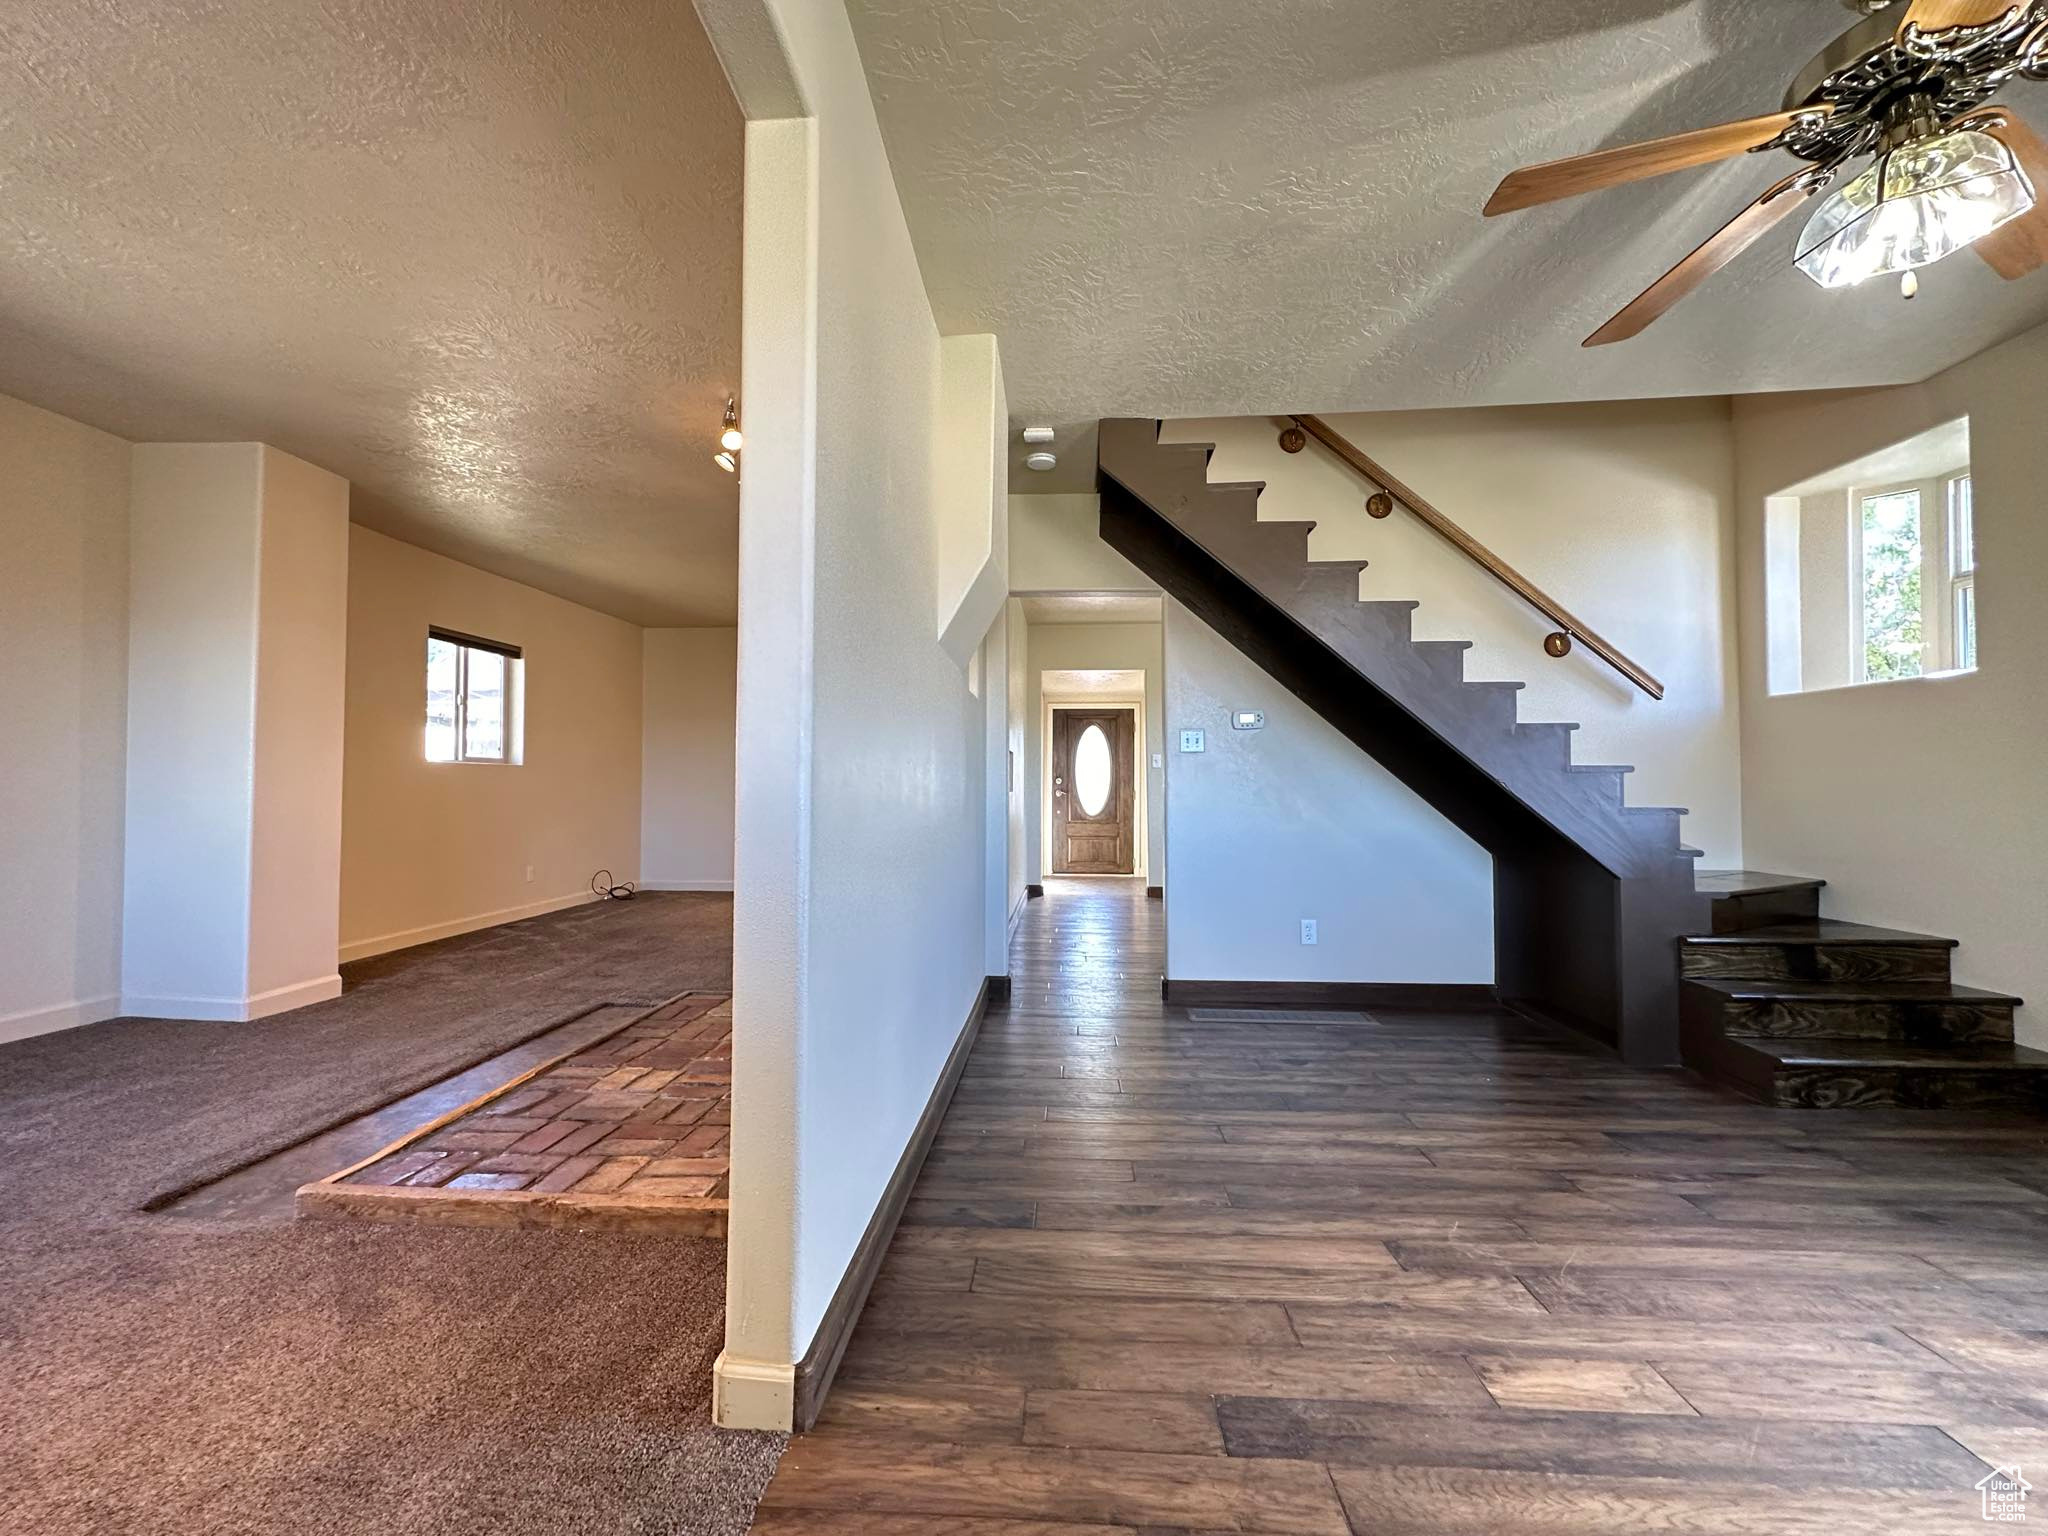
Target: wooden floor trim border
(815,1370)
(516,1208)
(1328,994)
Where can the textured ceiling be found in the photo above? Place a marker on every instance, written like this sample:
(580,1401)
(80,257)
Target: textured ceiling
(1084,683)
(1217,207)
(482,260)
(1093,607)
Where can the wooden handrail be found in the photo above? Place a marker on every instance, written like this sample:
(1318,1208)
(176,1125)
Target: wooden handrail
(1569,628)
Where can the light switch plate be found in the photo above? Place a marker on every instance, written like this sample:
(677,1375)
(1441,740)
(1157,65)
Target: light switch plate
(1158,759)
(1191,741)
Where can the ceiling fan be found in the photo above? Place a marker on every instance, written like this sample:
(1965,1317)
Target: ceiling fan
(1909,85)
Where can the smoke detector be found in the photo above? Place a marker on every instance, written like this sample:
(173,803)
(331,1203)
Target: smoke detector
(1040,461)
(1038,434)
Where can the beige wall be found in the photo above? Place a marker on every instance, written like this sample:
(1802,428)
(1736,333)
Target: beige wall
(687,691)
(1920,802)
(1056,546)
(301,670)
(63,713)
(1292,821)
(431,849)
(1624,512)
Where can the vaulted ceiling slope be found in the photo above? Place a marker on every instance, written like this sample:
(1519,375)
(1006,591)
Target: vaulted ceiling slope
(1196,207)
(482,260)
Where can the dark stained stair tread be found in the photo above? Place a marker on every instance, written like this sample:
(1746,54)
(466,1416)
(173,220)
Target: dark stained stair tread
(1818,930)
(1740,989)
(1750,882)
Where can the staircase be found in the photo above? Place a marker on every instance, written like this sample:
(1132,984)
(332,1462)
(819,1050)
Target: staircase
(1591,894)
(1796,1009)
(1597,910)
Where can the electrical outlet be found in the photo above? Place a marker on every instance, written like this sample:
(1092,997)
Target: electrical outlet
(1158,759)
(529,874)
(1308,930)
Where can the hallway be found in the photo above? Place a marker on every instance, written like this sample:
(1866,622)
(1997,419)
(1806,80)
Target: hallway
(1418,1272)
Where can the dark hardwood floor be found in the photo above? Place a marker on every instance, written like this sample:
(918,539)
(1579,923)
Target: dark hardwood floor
(1418,1273)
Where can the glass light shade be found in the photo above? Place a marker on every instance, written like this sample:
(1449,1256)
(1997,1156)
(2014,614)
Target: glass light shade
(1914,205)
(726,462)
(730,440)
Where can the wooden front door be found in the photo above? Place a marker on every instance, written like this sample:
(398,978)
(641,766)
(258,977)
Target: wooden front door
(1094,796)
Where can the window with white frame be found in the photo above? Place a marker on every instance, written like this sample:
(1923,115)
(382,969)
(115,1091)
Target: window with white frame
(1870,567)
(1962,575)
(1891,639)
(473,696)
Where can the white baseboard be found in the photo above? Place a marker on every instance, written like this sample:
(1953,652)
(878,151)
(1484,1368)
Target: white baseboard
(283,999)
(685,885)
(233,1010)
(405,938)
(752,1394)
(47,1021)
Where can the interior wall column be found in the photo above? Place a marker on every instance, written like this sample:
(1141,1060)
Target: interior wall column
(237,645)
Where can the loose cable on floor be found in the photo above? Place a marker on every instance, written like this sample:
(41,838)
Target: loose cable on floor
(601,885)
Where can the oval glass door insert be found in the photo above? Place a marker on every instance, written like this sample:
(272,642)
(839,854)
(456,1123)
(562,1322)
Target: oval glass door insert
(1091,771)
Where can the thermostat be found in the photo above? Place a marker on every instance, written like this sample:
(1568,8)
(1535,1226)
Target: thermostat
(1248,720)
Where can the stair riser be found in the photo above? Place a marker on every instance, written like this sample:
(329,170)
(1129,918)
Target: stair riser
(1907,1088)
(1925,1024)
(1735,914)
(1818,962)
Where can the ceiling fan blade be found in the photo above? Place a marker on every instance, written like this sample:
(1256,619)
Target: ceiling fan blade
(1604,168)
(1939,15)
(2014,249)
(1722,247)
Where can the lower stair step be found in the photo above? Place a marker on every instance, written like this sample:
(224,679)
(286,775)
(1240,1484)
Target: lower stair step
(1847,1074)
(1930,1014)
(1819,949)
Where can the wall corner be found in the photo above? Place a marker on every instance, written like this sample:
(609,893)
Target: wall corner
(970,473)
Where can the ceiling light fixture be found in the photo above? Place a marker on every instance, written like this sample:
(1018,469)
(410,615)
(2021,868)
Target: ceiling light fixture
(1040,461)
(729,441)
(1926,196)
(1913,87)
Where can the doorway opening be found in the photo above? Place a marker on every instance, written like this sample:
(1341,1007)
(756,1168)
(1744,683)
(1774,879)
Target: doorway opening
(1093,799)
(1094,809)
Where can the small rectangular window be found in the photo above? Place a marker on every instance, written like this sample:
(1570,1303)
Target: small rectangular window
(473,688)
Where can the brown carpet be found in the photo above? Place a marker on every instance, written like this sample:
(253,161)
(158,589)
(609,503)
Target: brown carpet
(171,1376)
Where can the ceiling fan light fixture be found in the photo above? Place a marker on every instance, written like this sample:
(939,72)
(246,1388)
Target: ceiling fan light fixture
(1915,204)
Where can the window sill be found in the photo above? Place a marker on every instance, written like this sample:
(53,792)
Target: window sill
(1882,682)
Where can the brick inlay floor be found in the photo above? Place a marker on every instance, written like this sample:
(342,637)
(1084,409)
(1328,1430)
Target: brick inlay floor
(644,1113)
